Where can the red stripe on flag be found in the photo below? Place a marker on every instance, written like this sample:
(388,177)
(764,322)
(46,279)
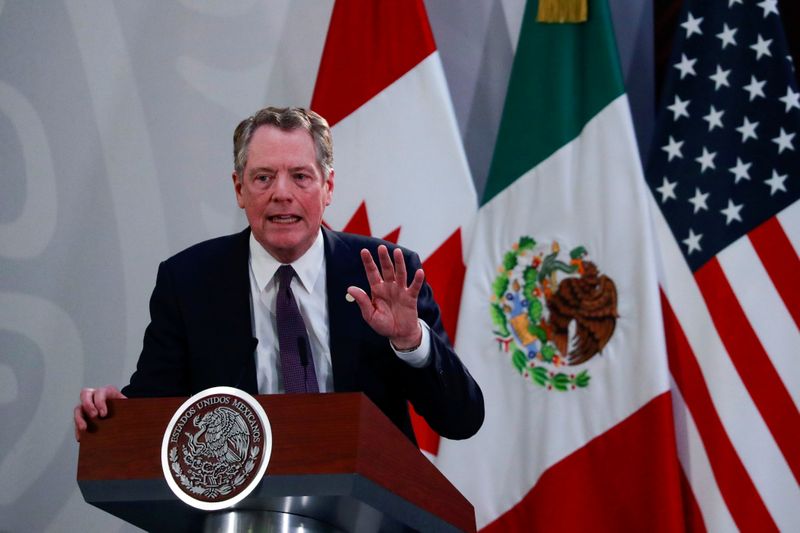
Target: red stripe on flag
(780,259)
(737,489)
(369,45)
(613,483)
(751,361)
(444,271)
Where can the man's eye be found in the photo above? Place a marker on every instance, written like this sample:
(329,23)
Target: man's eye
(262,178)
(300,176)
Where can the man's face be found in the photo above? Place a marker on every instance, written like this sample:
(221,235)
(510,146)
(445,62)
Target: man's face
(282,191)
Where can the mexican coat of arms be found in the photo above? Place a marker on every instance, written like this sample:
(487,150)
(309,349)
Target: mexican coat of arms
(552,312)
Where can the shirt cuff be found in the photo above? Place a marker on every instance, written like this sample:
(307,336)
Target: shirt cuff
(422,355)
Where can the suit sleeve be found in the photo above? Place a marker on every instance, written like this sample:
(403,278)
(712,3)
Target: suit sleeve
(443,392)
(162,369)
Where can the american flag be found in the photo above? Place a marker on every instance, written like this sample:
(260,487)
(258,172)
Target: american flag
(724,172)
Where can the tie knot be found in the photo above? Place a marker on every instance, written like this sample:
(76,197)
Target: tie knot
(285,274)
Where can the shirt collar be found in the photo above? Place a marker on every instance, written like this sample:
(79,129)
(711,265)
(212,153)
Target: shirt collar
(308,266)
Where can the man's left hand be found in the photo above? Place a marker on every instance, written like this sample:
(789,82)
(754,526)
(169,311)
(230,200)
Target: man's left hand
(392,309)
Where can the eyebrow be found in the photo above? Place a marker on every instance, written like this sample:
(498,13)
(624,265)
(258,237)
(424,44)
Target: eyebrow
(302,168)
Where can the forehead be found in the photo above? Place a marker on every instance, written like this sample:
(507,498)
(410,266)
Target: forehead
(273,147)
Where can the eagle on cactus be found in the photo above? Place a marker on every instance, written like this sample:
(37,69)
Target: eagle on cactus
(551,312)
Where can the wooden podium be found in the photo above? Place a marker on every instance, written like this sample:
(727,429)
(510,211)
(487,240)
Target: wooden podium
(336,459)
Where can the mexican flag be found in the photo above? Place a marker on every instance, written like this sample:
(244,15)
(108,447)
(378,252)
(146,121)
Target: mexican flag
(560,318)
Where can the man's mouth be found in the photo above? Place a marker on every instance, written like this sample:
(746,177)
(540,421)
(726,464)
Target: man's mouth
(284,219)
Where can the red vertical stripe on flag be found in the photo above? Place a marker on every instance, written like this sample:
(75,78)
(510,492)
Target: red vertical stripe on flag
(444,271)
(369,46)
(754,366)
(737,489)
(781,262)
(618,478)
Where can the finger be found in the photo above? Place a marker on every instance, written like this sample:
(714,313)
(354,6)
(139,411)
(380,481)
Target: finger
(400,267)
(416,284)
(370,268)
(387,268)
(113,393)
(363,301)
(100,397)
(80,422)
(87,402)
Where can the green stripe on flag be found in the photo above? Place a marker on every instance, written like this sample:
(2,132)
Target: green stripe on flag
(562,76)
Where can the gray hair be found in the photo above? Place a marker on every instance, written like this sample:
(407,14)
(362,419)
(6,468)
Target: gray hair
(287,119)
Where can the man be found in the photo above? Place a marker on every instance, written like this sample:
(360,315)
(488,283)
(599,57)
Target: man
(218,302)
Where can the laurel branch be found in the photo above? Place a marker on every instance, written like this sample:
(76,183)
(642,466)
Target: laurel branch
(196,466)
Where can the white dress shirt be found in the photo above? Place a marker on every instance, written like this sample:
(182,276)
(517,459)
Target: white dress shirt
(309,287)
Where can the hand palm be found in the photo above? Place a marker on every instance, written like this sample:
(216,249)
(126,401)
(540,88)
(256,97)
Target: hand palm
(392,308)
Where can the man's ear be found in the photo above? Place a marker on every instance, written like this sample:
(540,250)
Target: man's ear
(237,187)
(329,184)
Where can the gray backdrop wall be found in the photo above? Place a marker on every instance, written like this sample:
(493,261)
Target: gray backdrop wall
(115,126)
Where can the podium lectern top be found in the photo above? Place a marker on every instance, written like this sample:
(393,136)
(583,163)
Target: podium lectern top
(335,458)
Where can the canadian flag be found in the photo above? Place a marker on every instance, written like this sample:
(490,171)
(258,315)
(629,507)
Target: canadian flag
(401,171)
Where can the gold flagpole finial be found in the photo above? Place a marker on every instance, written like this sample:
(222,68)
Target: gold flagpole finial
(563,11)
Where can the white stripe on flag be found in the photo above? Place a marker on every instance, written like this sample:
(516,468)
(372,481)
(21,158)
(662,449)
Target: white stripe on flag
(694,461)
(790,220)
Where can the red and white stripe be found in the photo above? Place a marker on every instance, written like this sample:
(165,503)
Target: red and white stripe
(732,338)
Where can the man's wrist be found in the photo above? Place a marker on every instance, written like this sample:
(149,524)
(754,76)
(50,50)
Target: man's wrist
(406,345)
(419,357)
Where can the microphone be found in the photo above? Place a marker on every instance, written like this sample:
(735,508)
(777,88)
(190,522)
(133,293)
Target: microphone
(302,349)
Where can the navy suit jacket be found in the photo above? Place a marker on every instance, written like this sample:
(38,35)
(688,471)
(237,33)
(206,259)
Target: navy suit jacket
(200,336)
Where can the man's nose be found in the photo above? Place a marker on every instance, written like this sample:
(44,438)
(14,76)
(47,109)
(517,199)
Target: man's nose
(281,188)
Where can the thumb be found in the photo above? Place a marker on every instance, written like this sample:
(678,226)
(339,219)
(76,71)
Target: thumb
(363,301)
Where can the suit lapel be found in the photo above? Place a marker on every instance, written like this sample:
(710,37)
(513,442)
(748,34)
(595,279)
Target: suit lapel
(237,355)
(343,269)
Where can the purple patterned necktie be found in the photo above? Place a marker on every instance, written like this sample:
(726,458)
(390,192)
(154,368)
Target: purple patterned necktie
(297,365)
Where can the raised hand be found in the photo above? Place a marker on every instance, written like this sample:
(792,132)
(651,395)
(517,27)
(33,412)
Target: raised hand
(392,308)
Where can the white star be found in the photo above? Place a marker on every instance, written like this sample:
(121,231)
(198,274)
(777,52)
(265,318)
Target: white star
(720,78)
(699,200)
(686,66)
(755,88)
(784,141)
(673,148)
(714,118)
(732,212)
(667,190)
(748,130)
(741,170)
(693,242)
(731,2)
(727,36)
(692,25)
(776,183)
(706,160)
(762,47)
(792,99)
(679,108)
(769,6)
